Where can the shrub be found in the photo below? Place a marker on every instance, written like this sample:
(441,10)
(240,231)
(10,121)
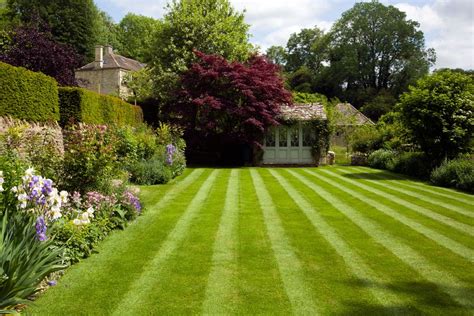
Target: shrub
(36,144)
(414,164)
(89,158)
(457,173)
(365,139)
(381,159)
(149,172)
(80,105)
(28,95)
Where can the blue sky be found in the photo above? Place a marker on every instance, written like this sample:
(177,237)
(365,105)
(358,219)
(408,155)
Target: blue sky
(448,24)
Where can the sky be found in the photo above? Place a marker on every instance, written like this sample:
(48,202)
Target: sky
(448,25)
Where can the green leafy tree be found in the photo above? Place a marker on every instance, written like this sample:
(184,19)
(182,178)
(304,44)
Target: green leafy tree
(305,49)
(140,83)
(137,33)
(374,47)
(107,31)
(209,26)
(277,55)
(71,21)
(438,113)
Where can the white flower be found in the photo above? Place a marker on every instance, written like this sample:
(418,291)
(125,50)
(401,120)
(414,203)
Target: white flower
(15,189)
(77,222)
(85,216)
(63,195)
(30,172)
(90,211)
(22,197)
(23,205)
(1,188)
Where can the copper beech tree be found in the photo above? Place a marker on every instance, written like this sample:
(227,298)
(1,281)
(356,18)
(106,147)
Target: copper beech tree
(228,103)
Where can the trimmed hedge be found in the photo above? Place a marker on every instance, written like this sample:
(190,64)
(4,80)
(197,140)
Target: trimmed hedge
(27,95)
(80,105)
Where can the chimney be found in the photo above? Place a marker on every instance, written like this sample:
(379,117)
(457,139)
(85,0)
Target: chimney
(108,50)
(99,56)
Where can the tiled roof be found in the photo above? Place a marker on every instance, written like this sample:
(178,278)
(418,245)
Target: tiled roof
(302,112)
(349,115)
(112,61)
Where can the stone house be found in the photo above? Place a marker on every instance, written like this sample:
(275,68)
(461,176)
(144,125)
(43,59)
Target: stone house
(106,73)
(347,118)
(291,143)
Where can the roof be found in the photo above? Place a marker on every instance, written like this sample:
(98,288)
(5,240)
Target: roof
(351,116)
(302,112)
(113,61)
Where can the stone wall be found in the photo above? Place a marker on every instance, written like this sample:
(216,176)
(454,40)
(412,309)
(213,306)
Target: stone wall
(104,81)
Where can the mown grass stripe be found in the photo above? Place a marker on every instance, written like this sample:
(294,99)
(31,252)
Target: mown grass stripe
(465,228)
(352,260)
(174,192)
(151,274)
(438,238)
(449,284)
(290,267)
(421,197)
(417,185)
(221,284)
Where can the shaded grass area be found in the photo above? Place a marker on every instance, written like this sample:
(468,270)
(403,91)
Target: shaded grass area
(330,240)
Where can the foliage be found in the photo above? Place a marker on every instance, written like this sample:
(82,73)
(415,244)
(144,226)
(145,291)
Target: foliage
(380,105)
(277,55)
(381,159)
(365,139)
(89,158)
(80,105)
(28,95)
(374,47)
(438,112)
(307,98)
(37,145)
(107,32)
(71,22)
(414,164)
(232,102)
(303,50)
(136,35)
(210,26)
(140,83)
(320,143)
(152,171)
(457,173)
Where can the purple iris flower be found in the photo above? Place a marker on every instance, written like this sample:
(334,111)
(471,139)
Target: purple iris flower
(41,228)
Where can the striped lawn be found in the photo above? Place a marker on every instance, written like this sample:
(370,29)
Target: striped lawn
(305,241)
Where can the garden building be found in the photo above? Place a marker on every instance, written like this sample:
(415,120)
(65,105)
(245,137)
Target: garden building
(107,73)
(298,140)
(347,118)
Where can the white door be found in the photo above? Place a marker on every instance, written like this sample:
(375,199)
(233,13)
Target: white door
(288,145)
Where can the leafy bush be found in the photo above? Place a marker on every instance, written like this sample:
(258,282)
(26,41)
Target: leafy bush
(365,139)
(80,105)
(89,158)
(381,159)
(149,172)
(28,95)
(414,164)
(37,144)
(457,173)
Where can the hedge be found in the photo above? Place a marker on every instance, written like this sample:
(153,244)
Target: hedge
(28,95)
(80,105)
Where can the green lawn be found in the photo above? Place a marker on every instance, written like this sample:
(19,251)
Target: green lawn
(337,240)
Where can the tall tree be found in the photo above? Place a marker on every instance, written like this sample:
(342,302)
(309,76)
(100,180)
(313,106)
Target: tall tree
(438,112)
(71,21)
(107,32)
(374,47)
(228,102)
(277,55)
(303,49)
(209,26)
(136,34)
(37,50)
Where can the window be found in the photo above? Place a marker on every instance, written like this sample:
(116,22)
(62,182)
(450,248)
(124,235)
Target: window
(308,136)
(270,138)
(295,137)
(283,141)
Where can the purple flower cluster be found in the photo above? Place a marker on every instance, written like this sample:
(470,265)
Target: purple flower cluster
(170,151)
(41,228)
(98,200)
(133,201)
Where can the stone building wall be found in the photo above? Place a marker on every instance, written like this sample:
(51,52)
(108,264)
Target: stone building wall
(104,81)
